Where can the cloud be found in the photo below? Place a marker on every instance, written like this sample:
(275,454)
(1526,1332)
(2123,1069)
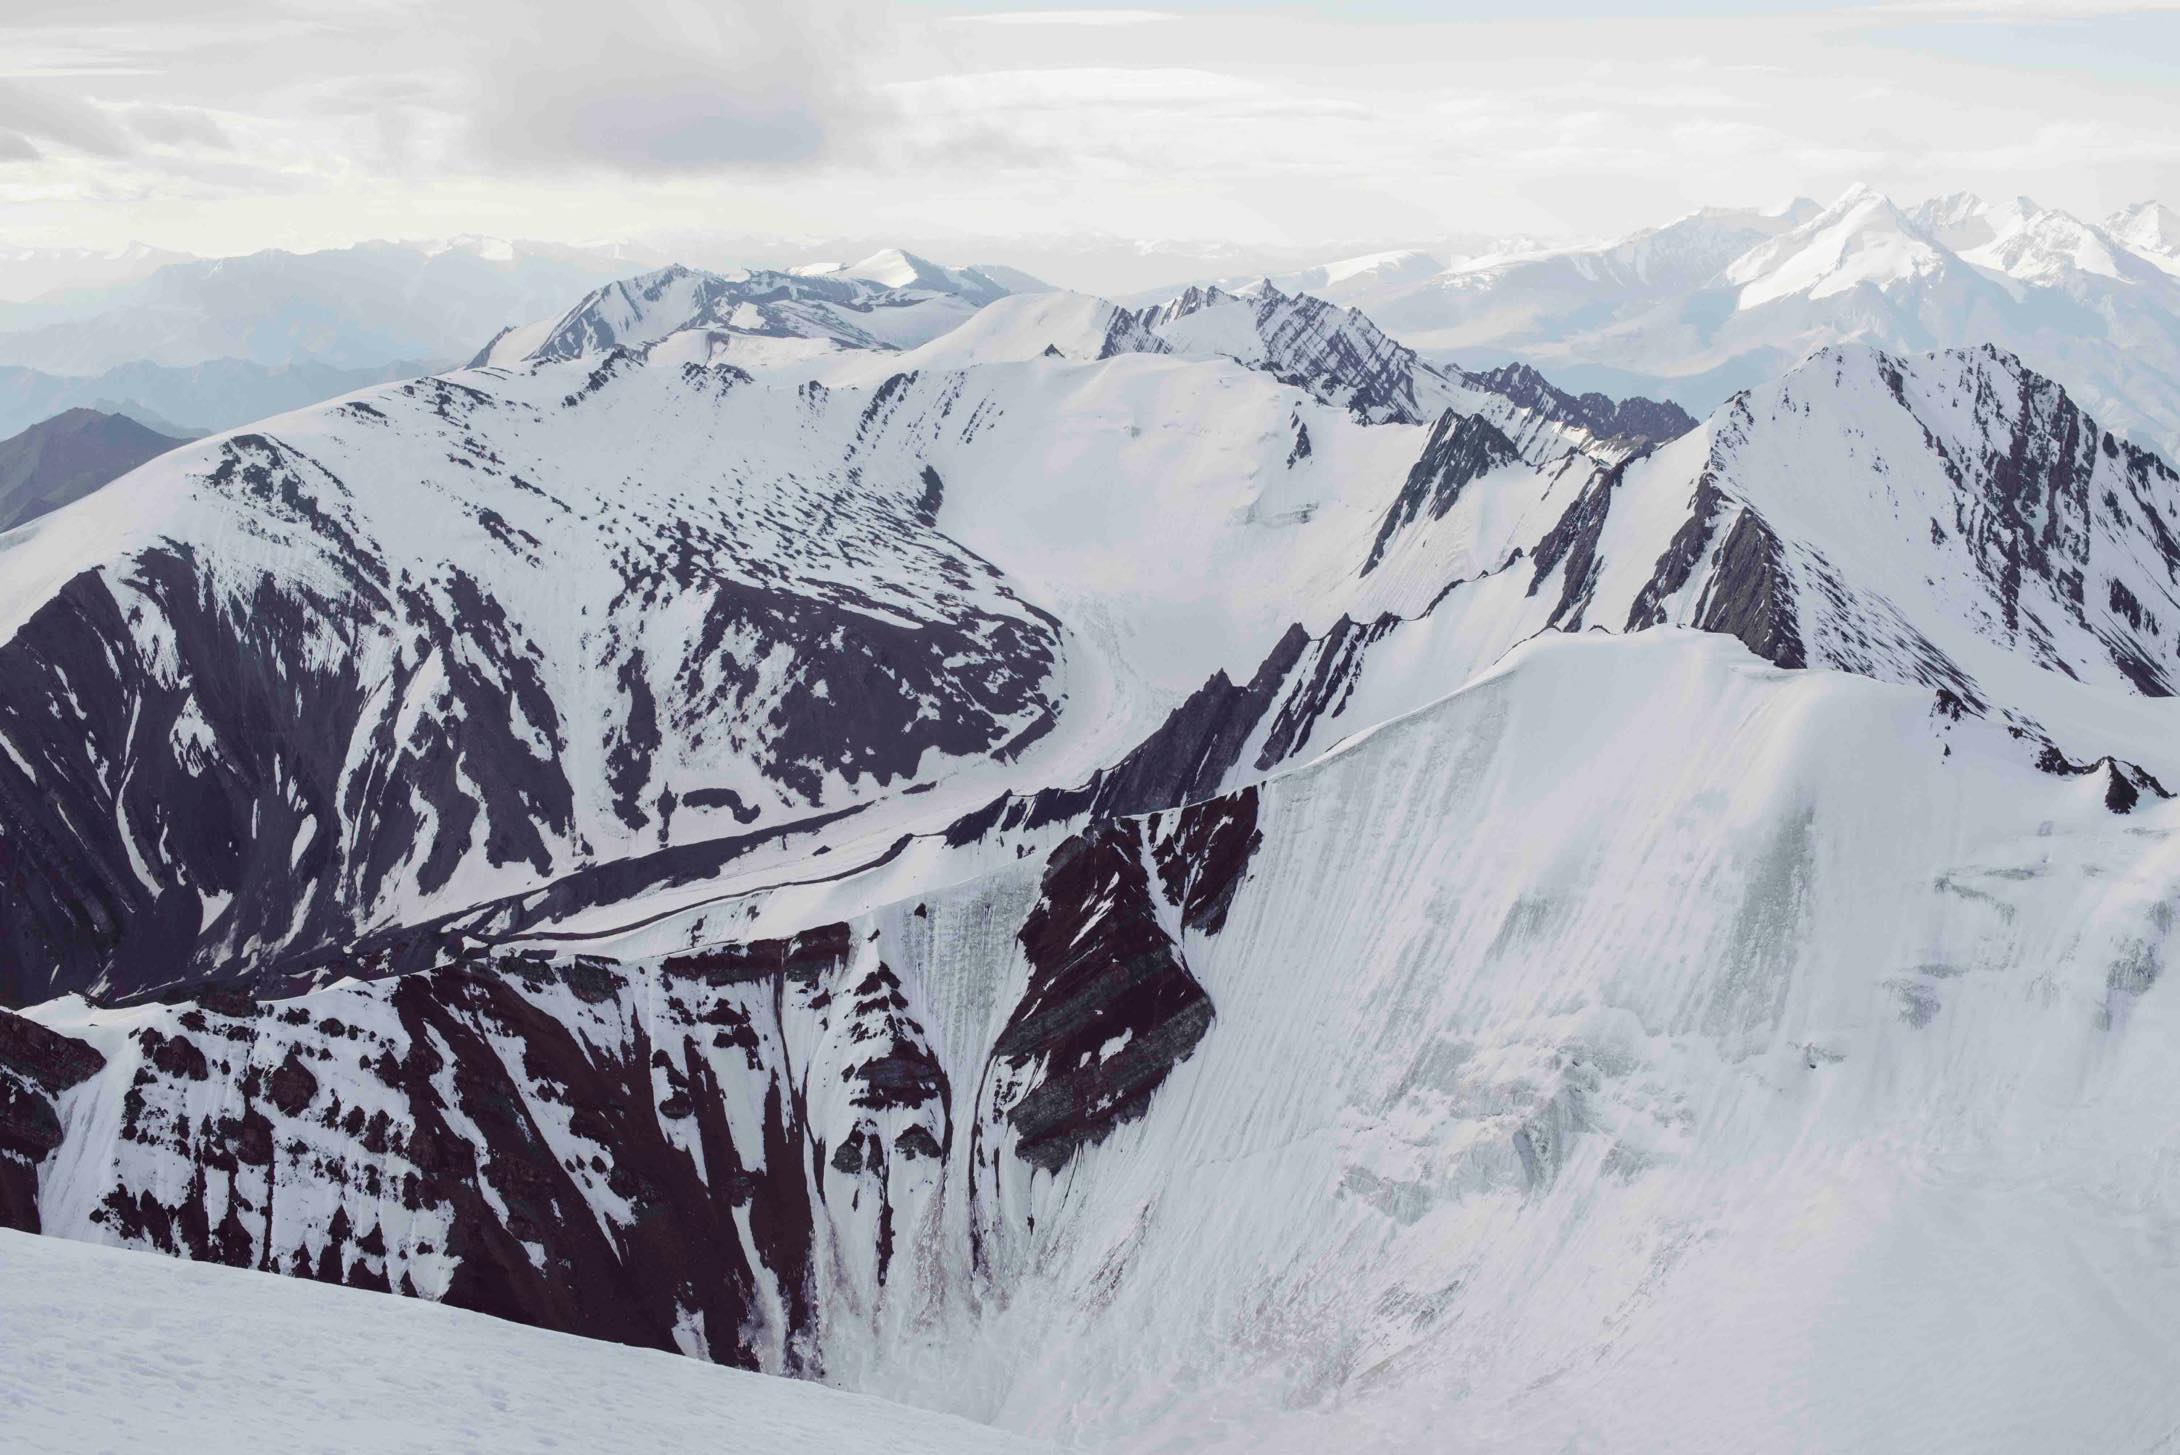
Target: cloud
(1065,17)
(42,114)
(670,88)
(227,123)
(179,125)
(689,123)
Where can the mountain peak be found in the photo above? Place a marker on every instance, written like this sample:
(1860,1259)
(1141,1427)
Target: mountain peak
(2044,245)
(1956,220)
(1856,195)
(1862,239)
(2151,228)
(898,268)
(895,267)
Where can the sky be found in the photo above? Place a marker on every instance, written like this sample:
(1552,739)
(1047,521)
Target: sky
(222,126)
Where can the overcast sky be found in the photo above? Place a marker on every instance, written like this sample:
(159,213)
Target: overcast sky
(226,125)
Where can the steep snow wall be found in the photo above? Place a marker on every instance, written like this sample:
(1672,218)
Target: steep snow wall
(1581,1057)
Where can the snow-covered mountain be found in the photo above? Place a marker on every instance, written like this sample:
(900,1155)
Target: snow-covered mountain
(2151,229)
(1157,876)
(1723,300)
(1310,1115)
(774,317)
(898,268)
(1543,293)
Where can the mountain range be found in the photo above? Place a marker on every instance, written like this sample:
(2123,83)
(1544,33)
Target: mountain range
(1690,311)
(1726,298)
(1150,873)
(32,272)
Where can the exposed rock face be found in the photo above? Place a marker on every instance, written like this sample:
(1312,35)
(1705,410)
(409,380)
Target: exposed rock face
(1318,686)
(644,1153)
(1461,448)
(1747,596)
(1633,422)
(53,1061)
(1335,354)
(1110,1006)
(705,1150)
(214,755)
(36,1065)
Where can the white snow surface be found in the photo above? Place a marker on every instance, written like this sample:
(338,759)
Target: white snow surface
(108,1351)
(1620,1042)
(2151,229)
(1862,239)
(1642,1048)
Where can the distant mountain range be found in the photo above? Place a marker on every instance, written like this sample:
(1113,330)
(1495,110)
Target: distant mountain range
(30,272)
(191,399)
(67,457)
(1689,311)
(347,308)
(1726,298)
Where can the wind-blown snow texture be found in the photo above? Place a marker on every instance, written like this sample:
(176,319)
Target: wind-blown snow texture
(370,1375)
(1168,877)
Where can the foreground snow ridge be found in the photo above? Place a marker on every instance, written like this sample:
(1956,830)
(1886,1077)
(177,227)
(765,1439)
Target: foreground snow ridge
(102,1350)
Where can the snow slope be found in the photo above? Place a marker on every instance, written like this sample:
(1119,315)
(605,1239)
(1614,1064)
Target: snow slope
(372,1374)
(896,268)
(1645,1046)
(1598,1056)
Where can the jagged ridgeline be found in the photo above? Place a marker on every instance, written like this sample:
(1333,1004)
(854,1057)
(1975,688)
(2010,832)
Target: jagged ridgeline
(1174,857)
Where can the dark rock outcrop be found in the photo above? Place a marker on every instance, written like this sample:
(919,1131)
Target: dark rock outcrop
(36,1065)
(1635,422)
(1461,449)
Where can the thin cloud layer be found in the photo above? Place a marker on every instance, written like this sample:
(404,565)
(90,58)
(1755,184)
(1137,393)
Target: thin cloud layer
(668,89)
(225,124)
